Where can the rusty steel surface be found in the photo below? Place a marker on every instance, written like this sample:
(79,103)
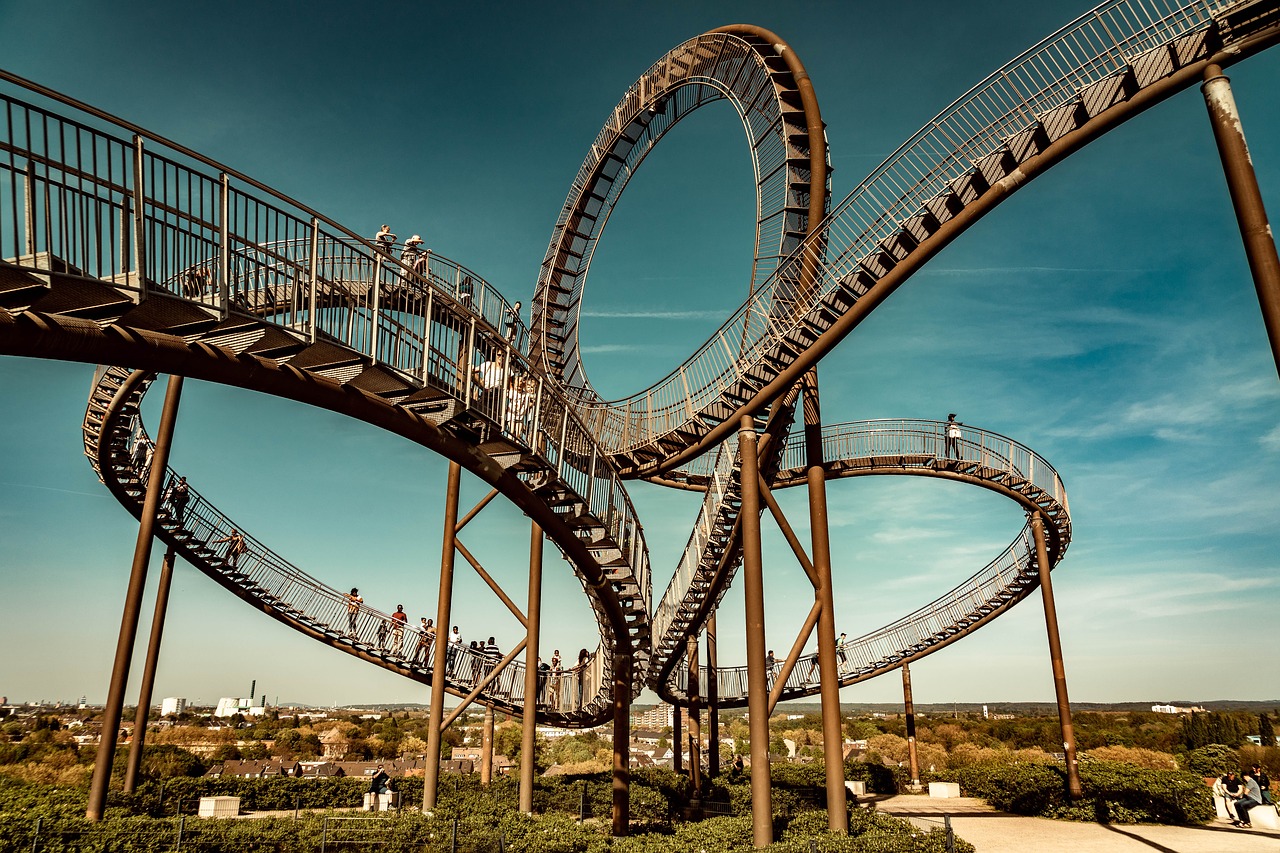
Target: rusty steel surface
(233,282)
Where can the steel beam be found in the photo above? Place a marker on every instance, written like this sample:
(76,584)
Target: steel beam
(695,723)
(149,675)
(757,678)
(114,707)
(828,667)
(621,742)
(1055,655)
(439,671)
(909,708)
(713,702)
(533,625)
(1246,198)
(486,747)
(677,740)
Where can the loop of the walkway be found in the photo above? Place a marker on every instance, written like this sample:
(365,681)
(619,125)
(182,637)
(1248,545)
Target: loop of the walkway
(202,533)
(757,73)
(125,248)
(869,448)
(1095,73)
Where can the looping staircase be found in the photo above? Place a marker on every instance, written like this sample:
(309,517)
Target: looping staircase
(264,579)
(902,447)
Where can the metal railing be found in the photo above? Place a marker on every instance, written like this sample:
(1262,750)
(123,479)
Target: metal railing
(999,584)
(881,445)
(208,537)
(1098,45)
(148,216)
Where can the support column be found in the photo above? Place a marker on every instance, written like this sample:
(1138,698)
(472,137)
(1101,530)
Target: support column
(713,703)
(114,707)
(909,707)
(1055,654)
(828,667)
(677,740)
(440,654)
(757,680)
(149,675)
(621,743)
(1242,183)
(695,724)
(533,616)
(486,747)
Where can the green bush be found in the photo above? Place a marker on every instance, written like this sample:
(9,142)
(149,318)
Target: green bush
(1212,760)
(1113,793)
(879,779)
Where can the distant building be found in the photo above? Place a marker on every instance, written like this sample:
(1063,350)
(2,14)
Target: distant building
(1173,709)
(658,717)
(173,705)
(230,706)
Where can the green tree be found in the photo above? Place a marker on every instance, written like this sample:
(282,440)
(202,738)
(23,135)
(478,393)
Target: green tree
(1266,731)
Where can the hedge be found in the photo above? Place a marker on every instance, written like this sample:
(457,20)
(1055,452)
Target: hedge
(1113,793)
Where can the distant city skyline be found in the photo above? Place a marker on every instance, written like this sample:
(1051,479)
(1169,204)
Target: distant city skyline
(1103,316)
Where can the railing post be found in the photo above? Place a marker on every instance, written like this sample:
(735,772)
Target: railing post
(426,336)
(468,362)
(114,706)
(29,210)
(139,216)
(149,674)
(313,268)
(224,246)
(375,304)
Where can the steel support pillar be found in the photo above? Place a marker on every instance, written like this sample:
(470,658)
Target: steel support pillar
(828,667)
(486,747)
(757,678)
(149,675)
(909,707)
(1251,216)
(114,707)
(533,615)
(440,654)
(695,723)
(677,740)
(1055,655)
(621,742)
(713,703)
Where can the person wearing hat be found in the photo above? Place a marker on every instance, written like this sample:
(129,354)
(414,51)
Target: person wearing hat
(953,437)
(411,253)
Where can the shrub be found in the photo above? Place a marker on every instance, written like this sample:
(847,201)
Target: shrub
(1113,793)
(1212,760)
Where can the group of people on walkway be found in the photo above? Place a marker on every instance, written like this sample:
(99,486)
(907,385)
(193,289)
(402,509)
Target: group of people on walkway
(465,663)
(1244,792)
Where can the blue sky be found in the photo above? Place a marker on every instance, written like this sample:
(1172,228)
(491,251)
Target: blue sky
(1103,316)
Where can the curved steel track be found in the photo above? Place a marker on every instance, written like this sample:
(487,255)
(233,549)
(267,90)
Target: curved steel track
(121,247)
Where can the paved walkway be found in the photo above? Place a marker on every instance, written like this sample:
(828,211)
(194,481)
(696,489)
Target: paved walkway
(991,831)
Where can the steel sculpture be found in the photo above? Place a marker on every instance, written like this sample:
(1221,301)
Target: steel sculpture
(121,247)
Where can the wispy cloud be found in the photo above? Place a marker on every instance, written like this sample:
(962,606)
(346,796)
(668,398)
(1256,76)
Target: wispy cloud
(1031,270)
(613,348)
(1271,441)
(52,489)
(654,314)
